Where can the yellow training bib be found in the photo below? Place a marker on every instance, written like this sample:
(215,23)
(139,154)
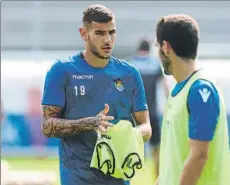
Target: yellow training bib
(120,151)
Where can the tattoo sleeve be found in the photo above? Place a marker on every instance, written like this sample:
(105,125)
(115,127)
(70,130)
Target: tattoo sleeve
(54,126)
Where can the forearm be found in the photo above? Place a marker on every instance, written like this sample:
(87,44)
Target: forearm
(145,130)
(192,170)
(57,127)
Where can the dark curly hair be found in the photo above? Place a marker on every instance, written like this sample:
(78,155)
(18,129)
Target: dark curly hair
(181,32)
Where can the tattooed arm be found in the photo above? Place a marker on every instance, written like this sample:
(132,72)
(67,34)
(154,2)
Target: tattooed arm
(54,126)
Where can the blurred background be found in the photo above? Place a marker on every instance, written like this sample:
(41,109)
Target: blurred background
(35,33)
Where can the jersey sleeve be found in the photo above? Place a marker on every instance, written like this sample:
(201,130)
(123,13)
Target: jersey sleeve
(139,97)
(54,88)
(203,105)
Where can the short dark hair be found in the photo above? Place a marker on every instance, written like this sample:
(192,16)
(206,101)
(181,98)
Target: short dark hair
(97,13)
(144,45)
(182,32)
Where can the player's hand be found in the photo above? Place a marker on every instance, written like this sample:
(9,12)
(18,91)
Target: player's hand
(104,120)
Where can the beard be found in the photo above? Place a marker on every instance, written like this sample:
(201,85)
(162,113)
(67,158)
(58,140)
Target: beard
(166,63)
(95,51)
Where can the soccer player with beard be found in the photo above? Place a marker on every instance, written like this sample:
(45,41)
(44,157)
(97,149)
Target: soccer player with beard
(194,144)
(91,91)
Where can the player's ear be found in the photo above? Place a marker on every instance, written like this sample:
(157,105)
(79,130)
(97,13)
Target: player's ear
(83,33)
(166,47)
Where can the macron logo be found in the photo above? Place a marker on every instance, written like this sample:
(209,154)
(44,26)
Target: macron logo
(82,77)
(204,94)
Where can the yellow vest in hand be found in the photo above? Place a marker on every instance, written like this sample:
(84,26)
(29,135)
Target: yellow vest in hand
(120,151)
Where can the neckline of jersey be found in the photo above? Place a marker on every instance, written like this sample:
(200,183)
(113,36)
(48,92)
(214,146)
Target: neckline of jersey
(184,82)
(85,63)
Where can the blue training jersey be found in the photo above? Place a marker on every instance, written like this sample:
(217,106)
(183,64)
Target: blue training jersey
(203,107)
(82,90)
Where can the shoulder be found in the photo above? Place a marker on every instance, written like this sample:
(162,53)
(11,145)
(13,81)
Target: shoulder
(203,86)
(56,67)
(203,90)
(123,65)
(63,64)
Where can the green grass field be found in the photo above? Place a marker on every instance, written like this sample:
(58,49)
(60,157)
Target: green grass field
(142,178)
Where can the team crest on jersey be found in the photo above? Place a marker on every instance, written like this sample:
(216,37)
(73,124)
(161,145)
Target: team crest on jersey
(119,85)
